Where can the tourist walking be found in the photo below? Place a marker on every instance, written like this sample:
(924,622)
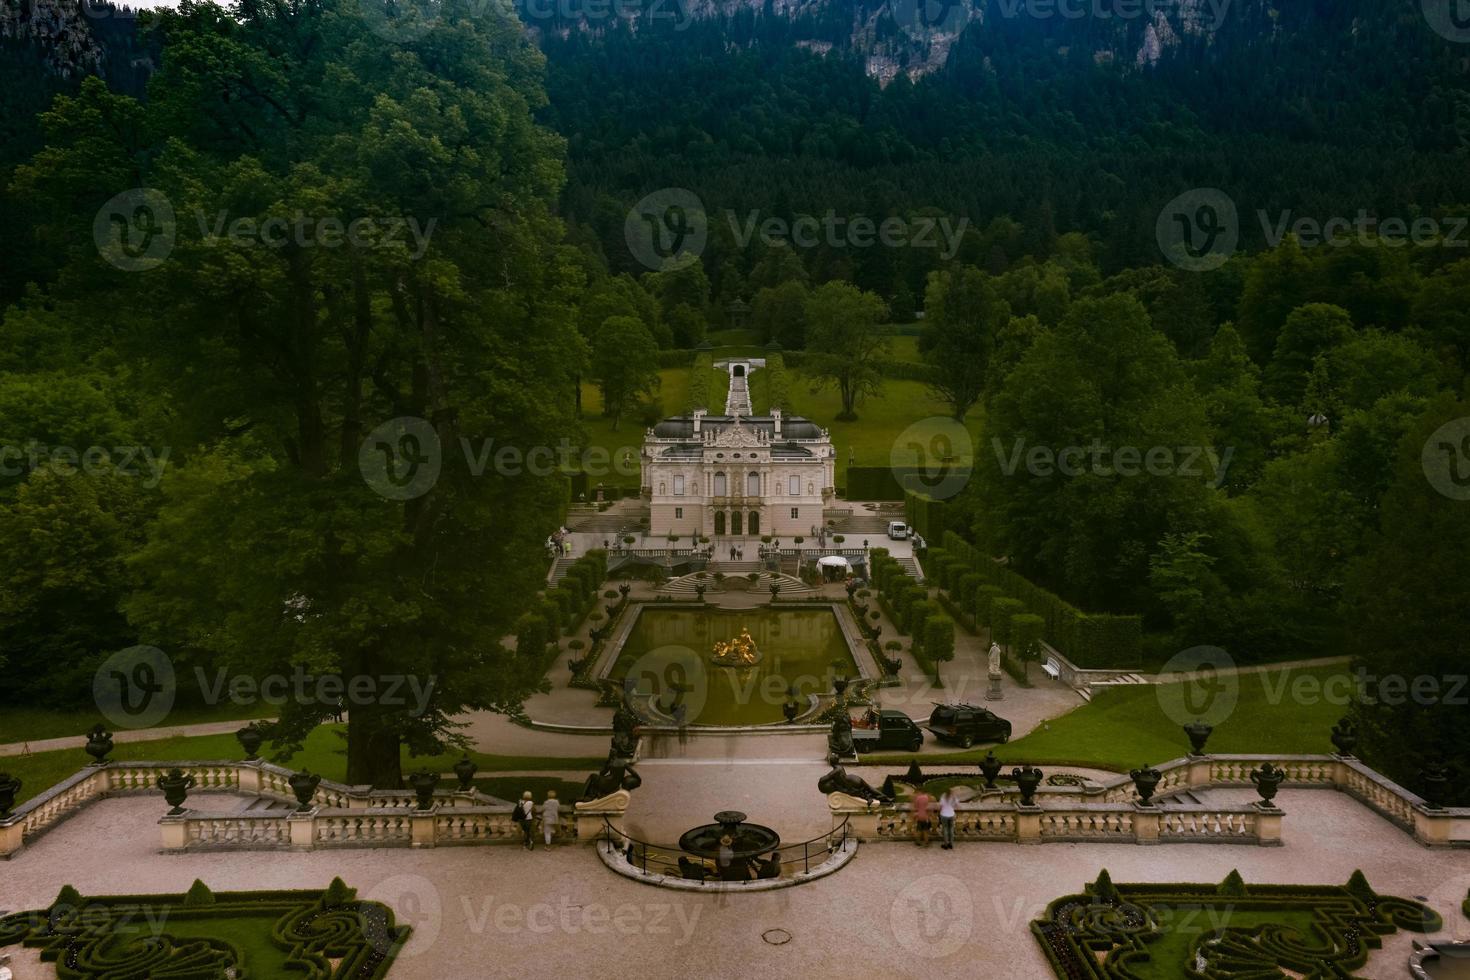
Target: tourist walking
(524,815)
(923,807)
(946,818)
(550,810)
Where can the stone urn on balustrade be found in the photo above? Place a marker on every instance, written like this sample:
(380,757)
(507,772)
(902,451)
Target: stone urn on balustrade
(304,784)
(1199,734)
(1435,778)
(1268,780)
(1345,737)
(1027,779)
(1145,780)
(250,738)
(464,771)
(9,787)
(175,785)
(990,768)
(99,744)
(424,783)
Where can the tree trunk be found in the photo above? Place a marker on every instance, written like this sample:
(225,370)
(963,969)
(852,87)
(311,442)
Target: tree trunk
(373,756)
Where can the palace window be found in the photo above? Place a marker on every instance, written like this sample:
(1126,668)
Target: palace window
(678,513)
(720,485)
(752,484)
(795,486)
(795,513)
(678,486)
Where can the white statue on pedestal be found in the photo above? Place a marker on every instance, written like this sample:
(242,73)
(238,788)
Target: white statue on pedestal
(995,660)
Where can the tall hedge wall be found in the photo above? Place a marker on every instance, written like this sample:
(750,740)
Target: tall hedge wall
(1096,640)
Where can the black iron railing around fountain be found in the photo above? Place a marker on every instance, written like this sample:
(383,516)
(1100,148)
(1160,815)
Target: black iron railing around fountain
(668,859)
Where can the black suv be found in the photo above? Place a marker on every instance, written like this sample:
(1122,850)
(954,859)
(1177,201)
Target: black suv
(965,724)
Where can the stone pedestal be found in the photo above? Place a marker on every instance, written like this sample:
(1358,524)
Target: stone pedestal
(175,831)
(590,814)
(423,827)
(250,781)
(1145,824)
(303,828)
(1028,824)
(1268,825)
(994,693)
(10,837)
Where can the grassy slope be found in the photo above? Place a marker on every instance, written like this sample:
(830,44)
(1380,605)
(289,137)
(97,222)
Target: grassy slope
(322,753)
(673,394)
(1125,727)
(881,419)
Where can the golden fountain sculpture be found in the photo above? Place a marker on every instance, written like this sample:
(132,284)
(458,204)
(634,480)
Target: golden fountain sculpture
(739,652)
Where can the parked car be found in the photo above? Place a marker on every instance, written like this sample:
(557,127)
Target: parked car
(965,724)
(898,530)
(893,730)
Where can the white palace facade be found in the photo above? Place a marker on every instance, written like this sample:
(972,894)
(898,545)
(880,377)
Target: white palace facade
(718,475)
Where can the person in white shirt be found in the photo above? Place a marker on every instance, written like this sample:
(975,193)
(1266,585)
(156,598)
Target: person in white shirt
(550,810)
(946,818)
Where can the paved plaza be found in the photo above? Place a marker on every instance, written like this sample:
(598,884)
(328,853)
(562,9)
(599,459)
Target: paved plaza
(896,910)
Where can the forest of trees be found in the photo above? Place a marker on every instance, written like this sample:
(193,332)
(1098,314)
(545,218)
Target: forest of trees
(1319,377)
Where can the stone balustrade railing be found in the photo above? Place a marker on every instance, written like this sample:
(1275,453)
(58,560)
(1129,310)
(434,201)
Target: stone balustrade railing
(341,815)
(1432,826)
(1114,823)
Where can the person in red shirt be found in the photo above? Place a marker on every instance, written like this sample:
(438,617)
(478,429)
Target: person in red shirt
(923,803)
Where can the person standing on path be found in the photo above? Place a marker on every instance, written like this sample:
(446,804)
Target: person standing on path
(923,804)
(523,815)
(550,811)
(946,818)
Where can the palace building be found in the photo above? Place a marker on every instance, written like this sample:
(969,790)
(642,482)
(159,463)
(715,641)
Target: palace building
(717,475)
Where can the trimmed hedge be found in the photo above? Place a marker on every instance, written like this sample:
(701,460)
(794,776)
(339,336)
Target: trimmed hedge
(939,638)
(925,514)
(1096,640)
(778,381)
(701,381)
(1002,611)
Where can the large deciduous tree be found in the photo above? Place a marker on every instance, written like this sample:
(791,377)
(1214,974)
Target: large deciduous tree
(364,238)
(844,342)
(624,364)
(963,320)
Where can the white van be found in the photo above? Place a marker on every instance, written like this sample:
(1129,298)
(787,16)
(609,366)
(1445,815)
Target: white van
(898,530)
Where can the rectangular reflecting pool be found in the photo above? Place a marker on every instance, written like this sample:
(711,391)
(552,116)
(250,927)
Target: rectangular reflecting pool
(670,653)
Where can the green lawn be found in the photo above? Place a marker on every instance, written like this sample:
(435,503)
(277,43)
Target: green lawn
(323,753)
(904,349)
(31,724)
(881,419)
(511,787)
(1125,727)
(673,394)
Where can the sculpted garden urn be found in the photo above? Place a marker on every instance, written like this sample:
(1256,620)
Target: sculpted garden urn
(423,783)
(1345,737)
(790,707)
(464,771)
(1027,779)
(1199,734)
(990,768)
(175,785)
(99,743)
(9,786)
(624,589)
(1145,780)
(1435,777)
(250,738)
(1268,780)
(304,784)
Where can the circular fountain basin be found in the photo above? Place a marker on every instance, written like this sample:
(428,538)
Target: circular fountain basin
(747,839)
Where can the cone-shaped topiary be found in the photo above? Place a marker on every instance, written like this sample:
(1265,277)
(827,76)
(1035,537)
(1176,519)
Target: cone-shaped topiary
(338,893)
(1103,889)
(68,897)
(198,895)
(1359,888)
(1233,885)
